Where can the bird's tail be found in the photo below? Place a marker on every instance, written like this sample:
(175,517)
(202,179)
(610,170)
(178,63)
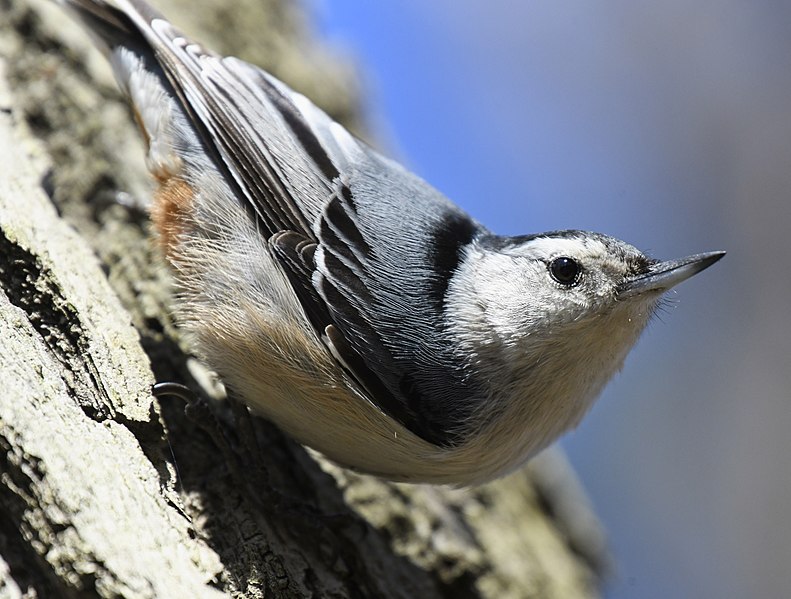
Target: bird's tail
(125,31)
(117,23)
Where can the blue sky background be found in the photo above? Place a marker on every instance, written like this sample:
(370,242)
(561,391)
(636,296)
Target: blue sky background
(667,125)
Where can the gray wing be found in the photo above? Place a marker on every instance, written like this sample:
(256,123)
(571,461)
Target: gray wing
(388,247)
(368,247)
(261,144)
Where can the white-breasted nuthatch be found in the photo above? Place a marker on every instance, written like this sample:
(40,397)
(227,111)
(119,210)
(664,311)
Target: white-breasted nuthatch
(345,299)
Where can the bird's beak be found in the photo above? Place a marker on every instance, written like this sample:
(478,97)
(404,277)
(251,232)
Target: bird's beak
(662,276)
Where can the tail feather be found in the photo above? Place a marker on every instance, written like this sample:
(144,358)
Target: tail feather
(105,23)
(120,23)
(123,29)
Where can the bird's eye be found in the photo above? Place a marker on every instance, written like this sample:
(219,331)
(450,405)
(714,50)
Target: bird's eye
(565,271)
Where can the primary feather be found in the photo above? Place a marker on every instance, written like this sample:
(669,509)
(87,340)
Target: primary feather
(305,180)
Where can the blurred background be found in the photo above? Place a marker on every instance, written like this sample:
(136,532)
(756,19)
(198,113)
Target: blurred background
(667,125)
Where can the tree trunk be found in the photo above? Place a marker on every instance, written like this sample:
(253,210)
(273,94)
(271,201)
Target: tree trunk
(105,490)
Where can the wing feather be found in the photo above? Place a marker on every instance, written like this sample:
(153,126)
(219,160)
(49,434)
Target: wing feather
(368,248)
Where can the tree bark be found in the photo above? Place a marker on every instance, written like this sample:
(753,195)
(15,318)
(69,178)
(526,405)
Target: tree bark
(106,491)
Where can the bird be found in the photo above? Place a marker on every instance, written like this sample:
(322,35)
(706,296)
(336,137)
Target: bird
(345,299)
